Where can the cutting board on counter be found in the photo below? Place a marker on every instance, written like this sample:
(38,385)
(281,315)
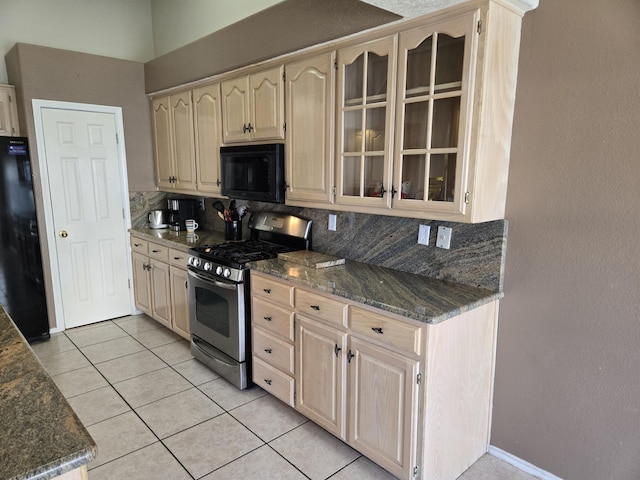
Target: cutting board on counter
(311,259)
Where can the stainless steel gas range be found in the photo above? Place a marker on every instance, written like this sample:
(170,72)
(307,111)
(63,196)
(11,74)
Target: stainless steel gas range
(219,292)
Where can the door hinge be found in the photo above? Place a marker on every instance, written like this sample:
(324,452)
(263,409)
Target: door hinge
(117,139)
(10,99)
(419,379)
(479,26)
(415,471)
(466,197)
(284,76)
(284,127)
(335,64)
(129,282)
(333,191)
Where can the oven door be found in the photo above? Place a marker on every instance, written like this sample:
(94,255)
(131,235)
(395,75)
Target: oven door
(217,313)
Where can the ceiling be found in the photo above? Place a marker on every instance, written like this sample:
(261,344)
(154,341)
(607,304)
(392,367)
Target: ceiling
(412,8)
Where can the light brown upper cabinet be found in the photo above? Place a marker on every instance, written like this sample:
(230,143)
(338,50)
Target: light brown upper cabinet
(253,106)
(172,121)
(208,133)
(310,88)
(366,88)
(431,157)
(8,112)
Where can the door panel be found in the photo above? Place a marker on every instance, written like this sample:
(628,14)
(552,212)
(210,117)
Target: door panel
(87,203)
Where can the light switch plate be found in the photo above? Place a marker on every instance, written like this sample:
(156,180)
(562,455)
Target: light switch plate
(444,237)
(332,222)
(423,234)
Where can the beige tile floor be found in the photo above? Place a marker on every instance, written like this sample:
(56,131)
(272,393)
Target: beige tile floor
(157,413)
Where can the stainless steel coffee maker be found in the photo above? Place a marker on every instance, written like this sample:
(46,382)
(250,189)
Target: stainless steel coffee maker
(181,210)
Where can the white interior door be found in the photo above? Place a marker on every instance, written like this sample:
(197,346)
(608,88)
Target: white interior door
(85,186)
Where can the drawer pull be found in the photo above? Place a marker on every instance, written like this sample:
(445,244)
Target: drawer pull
(155,251)
(267,290)
(337,350)
(268,319)
(315,307)
(137,244)
(268,350)
(267,381)
(377,330)
(177,258)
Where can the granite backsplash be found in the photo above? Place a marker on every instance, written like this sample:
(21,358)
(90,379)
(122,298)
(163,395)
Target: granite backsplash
(476,256)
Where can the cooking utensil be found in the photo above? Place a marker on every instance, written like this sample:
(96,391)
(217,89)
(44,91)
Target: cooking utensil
(219,206)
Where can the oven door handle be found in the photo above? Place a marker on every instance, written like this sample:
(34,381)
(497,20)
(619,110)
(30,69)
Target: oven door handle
(228,286)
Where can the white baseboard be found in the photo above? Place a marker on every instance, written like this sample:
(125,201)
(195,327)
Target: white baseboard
(521,464)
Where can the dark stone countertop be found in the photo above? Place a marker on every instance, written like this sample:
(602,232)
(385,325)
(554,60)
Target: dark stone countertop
(40,435)
(421,298)
(179,240)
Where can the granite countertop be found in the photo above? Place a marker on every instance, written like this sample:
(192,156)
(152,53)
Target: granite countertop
(414,296)
(179,240)
(40,435)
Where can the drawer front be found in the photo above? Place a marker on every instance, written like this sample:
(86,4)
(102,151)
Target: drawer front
(384,329)
(273,381)
(276,320)
(139,245)
(159,252)
(328,309)
(178,258)
(272,350)
(272,289)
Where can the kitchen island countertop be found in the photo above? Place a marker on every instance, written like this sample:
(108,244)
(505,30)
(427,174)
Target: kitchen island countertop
(40,435)
(421,298)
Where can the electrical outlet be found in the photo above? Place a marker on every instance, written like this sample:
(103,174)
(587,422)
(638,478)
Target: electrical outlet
(444,237)
(332,222)
(423,234)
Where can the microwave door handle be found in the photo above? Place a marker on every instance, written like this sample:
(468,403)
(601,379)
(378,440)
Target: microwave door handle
(227,286)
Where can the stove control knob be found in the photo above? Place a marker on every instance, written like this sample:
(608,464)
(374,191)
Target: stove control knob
(226,273)
(207,267)
(190,261)
(219,270)
(196,262)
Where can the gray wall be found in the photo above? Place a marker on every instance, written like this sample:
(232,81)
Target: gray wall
(567,388)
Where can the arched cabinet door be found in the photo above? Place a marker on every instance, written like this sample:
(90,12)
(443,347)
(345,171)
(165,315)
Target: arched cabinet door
(310,104)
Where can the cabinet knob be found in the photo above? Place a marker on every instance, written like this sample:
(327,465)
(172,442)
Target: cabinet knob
(268,350)
(315,307)
(268,319)
(267,290)
(267,381)
(377,330)
(337,349)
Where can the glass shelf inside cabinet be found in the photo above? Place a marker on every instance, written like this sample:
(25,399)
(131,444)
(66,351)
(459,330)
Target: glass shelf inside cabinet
(364,125)
(432,102)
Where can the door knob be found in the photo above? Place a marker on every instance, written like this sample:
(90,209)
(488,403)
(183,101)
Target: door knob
(63,233)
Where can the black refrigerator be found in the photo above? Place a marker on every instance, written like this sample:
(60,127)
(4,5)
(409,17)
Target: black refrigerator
(21,279)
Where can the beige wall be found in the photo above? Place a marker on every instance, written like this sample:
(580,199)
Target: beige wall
(113,28)
(567,395)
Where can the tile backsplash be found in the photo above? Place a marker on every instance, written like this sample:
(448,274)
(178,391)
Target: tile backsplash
(476,256)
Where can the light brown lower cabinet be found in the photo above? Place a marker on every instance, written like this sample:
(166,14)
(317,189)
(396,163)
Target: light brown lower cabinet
(160,284)
(414,398)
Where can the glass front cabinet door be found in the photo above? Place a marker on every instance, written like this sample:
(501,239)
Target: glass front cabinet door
(432,115)
(366,90)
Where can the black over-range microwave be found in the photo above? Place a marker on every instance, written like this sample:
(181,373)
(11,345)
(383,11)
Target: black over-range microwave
(253,172)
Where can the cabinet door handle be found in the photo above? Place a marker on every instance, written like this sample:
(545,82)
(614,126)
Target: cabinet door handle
(267,381)
(268,350)
(137,244)
(177,258)
(315,307)
(377,330)
(337,350)
(350,356)
(268,319)
(267,290)
(155,251)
